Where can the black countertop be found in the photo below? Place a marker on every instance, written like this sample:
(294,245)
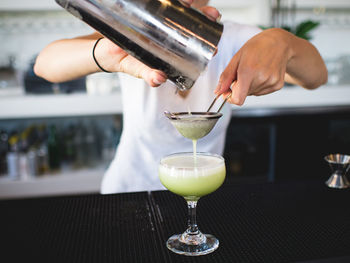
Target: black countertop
(281,222)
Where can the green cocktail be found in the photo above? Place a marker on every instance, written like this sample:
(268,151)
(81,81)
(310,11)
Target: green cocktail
(192,176)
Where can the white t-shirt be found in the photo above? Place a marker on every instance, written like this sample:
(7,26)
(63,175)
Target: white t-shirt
(148,135)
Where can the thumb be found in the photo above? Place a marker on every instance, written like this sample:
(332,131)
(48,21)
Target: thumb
(136,68)
(211,12)
(153,77)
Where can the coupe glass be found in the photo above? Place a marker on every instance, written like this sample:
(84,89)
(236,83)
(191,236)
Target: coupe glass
(192,177)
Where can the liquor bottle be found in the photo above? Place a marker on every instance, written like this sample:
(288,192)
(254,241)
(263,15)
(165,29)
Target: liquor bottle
(79,146)
(68,150)
(53,148)
(23,172)
(91,145)
(41,150)
(12,158)
(109,145)
(31,156)
(4,147)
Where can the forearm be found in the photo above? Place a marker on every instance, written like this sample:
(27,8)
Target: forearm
(66,59)
(306,66)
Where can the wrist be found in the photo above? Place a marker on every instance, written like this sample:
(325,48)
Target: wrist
(100,56)
(94,56)
(289,42)
(286,39)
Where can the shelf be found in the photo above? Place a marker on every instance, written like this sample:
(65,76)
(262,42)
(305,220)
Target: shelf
(235,3)
(40,106)
(70,183)
(296,101)
(60,105)
(323,3)
(297,97)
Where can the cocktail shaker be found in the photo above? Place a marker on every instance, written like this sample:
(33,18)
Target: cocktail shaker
(163,34)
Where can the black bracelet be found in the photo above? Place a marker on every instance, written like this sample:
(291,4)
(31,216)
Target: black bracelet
(93,55)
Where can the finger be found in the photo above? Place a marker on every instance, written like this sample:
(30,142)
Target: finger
(228,76)
(157,78)
(187,3)
(211,12)
(227,94)
(136,68)
(153,77)
(240,90)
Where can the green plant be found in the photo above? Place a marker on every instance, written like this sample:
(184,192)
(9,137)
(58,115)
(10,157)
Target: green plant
(302,30)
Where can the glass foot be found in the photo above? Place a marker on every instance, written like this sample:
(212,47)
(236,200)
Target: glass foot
(208,244)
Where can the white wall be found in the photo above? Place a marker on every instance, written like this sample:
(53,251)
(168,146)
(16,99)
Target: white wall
(26,29)
(24,33)
(252,12)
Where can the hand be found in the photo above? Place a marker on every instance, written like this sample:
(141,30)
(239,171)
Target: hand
(258,68)
(113,58)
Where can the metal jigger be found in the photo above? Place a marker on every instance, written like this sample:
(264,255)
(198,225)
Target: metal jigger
(339,164)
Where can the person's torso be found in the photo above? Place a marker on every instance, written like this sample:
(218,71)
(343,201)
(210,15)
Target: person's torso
(148,135)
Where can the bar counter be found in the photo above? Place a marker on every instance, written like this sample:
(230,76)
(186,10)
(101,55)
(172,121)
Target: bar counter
(299,221)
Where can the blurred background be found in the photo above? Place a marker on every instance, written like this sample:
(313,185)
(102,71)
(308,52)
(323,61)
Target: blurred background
(59,138)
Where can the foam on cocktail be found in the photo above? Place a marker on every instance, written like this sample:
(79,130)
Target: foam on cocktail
(184,176)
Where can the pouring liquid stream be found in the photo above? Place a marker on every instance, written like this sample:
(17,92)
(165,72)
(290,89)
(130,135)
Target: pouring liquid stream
(194,143)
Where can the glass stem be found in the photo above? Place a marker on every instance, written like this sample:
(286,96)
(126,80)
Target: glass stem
(192,220)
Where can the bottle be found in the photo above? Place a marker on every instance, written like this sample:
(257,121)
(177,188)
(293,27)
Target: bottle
(42,151)
(91,145)
(12,158)
(79,146)
(109,145)
(164,35)
(53,148)
(68,152)
(4,147)
(32,162)
(23,172)
(32,159)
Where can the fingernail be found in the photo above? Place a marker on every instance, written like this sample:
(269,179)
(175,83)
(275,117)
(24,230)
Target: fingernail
(159,80)
(218,19)
(212,18)
(188,3)
(164,76)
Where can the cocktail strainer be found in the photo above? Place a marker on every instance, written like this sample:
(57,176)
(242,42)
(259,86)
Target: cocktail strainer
(195,125)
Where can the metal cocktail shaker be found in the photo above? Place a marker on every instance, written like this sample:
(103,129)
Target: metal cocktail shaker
(163,34)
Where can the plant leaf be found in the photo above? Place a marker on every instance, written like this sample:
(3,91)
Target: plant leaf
(305,27)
